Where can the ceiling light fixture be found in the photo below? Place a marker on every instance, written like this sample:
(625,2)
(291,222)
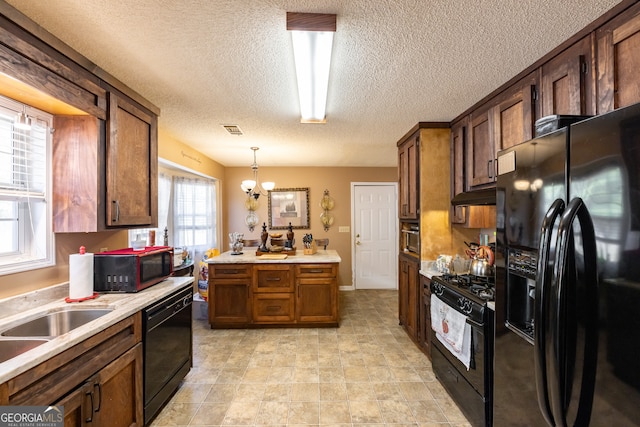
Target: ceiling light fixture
(252,186)
(312,37)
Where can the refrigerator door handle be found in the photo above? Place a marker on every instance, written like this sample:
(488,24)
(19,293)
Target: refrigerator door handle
(541,308)
(555,350)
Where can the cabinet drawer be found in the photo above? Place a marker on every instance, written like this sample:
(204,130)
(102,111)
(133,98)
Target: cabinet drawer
(272,278)
(273,307)
(316,270)
(229,271)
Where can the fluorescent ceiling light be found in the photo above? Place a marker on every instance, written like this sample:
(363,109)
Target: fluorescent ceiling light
(312,37)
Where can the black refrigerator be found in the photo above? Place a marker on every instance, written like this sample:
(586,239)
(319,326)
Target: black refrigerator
(567,345)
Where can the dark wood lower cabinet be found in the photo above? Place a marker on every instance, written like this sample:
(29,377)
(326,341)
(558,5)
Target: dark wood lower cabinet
(264,294)
(109,398)
(408,280)
(424,338)
(98,381)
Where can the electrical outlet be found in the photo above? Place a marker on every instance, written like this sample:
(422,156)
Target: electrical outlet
(104,249)
(343,229)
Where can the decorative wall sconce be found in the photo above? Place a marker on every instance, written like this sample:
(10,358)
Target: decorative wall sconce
(252,205)
(326,204)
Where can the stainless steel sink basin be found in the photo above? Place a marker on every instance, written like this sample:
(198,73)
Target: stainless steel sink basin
(11,348)
(56,323)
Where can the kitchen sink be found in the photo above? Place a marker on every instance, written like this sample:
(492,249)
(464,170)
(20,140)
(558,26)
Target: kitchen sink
(55,323)
(10,348)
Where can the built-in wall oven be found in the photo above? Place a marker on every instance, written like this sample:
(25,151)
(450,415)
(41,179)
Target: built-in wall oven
(168,348)
(470,388)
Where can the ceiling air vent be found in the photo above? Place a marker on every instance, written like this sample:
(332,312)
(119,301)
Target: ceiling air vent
(233,129)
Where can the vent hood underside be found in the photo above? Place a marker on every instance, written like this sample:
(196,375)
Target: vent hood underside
(475,198)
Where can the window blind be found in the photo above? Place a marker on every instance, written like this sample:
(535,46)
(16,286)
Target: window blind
(23,159)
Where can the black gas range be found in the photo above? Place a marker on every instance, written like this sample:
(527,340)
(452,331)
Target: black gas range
(471,388)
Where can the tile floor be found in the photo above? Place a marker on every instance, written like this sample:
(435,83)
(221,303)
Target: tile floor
(366,372)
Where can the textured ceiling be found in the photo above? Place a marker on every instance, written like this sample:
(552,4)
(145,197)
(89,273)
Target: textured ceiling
(206,63)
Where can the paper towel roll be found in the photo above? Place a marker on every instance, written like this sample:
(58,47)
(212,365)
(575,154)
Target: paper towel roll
(80,275)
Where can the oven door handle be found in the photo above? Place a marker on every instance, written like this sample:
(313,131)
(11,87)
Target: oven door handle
(475,324)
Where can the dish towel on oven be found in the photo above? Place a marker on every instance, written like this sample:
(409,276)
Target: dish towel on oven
(451,329)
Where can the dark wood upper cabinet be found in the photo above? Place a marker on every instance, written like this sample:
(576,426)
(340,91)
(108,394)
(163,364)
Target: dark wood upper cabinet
(568,83)
(618,62)
(131,165)
(458,143)
(515,114)
(479,155)
(408,177)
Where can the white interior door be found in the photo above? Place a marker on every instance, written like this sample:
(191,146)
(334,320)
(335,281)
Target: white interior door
(375,235)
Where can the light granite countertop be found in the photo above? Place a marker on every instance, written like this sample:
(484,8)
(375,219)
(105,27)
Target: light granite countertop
(15,310)
(249,256)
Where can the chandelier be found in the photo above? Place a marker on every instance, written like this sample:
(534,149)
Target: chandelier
(252,186)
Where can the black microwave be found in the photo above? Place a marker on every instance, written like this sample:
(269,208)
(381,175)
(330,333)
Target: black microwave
(131,270)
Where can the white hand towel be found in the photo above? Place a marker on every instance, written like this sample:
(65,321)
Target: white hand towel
(451,329)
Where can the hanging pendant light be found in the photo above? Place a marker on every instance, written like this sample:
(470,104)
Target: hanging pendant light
(252,186)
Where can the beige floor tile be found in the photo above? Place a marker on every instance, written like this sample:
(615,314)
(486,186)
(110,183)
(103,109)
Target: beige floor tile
(307,392)
(333,391)
(414,391)
(210,414)
(396,411)
(176,414)
(333,374)
(355,374)
(222,393)
(250,392)
(304,413)
(334,412)
(255,375)
(427,411)
(273,413)
(191,393)
(278,393)
(360,391)
(240,413)
(365,412)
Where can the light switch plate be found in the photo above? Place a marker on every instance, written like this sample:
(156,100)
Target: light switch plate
(343,229)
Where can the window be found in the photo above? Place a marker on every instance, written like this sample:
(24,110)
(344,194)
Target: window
(187,208)
(25,190)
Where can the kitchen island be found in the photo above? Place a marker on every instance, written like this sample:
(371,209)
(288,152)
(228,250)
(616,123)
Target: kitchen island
(248,291)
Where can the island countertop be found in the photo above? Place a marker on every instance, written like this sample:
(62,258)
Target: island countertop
(249,256)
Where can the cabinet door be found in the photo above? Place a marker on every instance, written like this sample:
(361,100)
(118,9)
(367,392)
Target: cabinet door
(514,116)
(480,151)
(618,47)
(229,301)
(408,158)
(131,165)
(425,315)
(568,86)
(458,138)
(78,406)
(117,390)
(316,299)
(78,201)
(408,286)
(111,398)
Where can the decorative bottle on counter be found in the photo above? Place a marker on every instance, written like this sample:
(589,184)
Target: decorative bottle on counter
(289,242)
(263,237)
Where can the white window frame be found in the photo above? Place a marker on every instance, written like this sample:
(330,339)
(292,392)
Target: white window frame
(172,170)
(36,241)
